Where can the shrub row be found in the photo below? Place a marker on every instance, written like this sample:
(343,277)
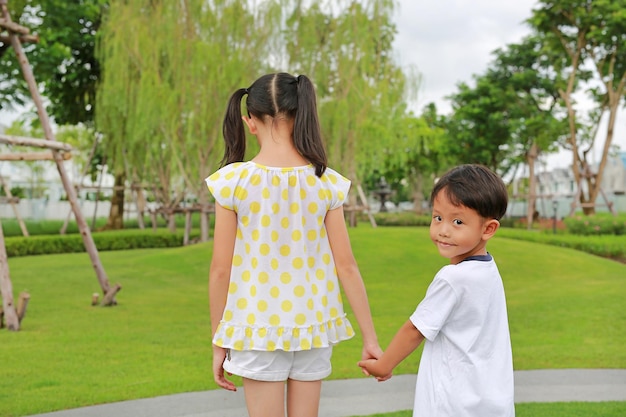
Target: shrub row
(600,224)
(11,227)
(607,246)
(405,218)
(104,241)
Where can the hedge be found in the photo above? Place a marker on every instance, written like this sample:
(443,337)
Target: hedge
(104,241)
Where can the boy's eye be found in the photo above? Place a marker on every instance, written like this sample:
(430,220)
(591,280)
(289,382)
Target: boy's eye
(437,218)
(457,221)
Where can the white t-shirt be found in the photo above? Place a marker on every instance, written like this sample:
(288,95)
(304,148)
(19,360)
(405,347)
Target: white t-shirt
(466,367)
(284,292)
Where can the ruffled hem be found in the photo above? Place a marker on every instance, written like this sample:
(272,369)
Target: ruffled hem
(289,339)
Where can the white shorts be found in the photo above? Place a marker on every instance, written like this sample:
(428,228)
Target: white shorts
(304,365)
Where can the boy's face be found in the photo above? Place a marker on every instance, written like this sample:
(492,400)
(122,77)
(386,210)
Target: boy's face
(458,231)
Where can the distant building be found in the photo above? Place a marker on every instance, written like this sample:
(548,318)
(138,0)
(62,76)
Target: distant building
(559,185)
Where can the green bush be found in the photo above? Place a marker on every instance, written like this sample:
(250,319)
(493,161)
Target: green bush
(405,218)
(606,246)
(11,227)
(105,241)
(599,224)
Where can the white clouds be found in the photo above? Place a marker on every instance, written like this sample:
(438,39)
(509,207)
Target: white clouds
(448,41)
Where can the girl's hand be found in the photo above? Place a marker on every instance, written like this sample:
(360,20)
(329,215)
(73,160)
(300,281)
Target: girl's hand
(219,356)
(369,357)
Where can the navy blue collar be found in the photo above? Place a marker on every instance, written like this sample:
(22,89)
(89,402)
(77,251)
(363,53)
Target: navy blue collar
(481,258)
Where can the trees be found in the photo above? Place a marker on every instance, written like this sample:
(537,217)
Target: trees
(163,91)
(63,59)
(346,48)
(583,41)
(165,86)
(535,118)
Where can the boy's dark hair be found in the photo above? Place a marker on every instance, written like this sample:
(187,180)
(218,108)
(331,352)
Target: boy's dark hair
(274,95)
(475,187)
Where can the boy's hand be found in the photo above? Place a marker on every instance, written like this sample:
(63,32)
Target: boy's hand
(370,367)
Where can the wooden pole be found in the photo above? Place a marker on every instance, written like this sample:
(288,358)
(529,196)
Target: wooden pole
(83,174)
(6,288)
(365,205)
(90,246)
(32,156)
(22,304)
(36,143)
(187,233)
(7,192)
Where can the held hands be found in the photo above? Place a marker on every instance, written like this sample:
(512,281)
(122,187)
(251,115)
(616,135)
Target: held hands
(219,356)
(369,363)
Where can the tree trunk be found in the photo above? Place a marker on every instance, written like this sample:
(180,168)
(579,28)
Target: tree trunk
(6,288)
(116,214)
(418,193)
(532,185)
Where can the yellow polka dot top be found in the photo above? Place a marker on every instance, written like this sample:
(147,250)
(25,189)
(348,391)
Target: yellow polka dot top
(283,293)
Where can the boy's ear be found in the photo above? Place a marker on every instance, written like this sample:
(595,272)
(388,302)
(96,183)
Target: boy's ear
(490,228)
(249,121)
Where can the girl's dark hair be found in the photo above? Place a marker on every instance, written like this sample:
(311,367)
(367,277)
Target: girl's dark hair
(475,187)
(274,95)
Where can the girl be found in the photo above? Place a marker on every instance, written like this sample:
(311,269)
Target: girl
(280,248)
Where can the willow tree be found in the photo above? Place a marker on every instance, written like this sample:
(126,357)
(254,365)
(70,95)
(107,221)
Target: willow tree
(584,39)
(166,83)
(346,47)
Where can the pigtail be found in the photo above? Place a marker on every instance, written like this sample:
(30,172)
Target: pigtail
(233,130)
(307,136)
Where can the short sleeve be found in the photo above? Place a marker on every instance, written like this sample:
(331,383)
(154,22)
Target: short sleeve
(433,311)
(222,185)
(338,187)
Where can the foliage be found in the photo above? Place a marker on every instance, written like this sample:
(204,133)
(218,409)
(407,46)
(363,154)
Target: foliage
(105,241)
(11,227)
(598,224)
(606,246)
(63,61)
(583,42)
(14,90)
(509,113)
(401,219)
(163,90)
(346,48)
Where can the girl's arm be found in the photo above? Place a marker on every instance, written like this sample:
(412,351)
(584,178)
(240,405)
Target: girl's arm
(351,280)
(219,280)
(406,340)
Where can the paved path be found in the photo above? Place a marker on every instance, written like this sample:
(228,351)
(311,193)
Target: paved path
(365,396)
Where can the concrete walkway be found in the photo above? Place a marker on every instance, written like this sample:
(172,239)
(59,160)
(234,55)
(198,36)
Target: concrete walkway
(365,396)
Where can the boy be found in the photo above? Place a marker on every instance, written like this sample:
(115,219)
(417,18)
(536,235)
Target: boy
(466,367)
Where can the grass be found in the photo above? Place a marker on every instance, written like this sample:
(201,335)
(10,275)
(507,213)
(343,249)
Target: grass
(565,311)
(573,409)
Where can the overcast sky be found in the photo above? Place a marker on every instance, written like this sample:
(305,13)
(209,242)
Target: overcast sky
(450,40)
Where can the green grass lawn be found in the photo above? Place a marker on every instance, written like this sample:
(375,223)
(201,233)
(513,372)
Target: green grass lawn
(565,311)
(573,409)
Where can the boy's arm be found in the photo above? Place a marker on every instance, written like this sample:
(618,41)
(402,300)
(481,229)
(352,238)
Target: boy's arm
(406,340)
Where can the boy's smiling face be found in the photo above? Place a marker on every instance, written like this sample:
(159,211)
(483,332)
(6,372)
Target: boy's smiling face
(459,231)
